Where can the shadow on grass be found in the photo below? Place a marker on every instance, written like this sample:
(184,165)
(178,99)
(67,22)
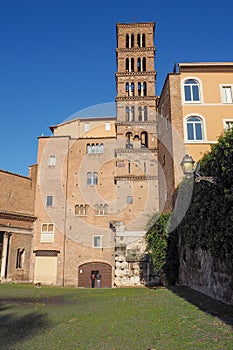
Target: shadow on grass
(203,302)
(15,329)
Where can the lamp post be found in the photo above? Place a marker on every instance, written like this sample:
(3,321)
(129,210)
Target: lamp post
(187,165)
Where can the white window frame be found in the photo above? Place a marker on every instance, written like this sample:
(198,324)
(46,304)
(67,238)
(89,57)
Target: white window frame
(87,127)
(100,237)
(47,236)
(52,161)
(101,209)
(226,98)
(226,121)
(204,134)
(107,126)
(184,102)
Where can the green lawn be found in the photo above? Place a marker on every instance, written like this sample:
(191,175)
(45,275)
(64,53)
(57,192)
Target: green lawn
(120,319)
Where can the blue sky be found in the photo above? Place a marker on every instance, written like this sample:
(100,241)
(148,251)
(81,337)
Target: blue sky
(45,77)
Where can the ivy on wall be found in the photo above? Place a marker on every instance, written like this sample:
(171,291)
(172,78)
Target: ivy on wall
(156,240)
(208,223)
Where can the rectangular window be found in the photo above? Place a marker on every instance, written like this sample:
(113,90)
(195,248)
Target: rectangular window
(97,241)
(129,199)
(52,161)
(49,201)
(228,124)
(47,233)
(187,93)
(226,93)
(107,126)
(198,131)
(86,126)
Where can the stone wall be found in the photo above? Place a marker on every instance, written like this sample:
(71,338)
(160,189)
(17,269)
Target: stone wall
(200,271)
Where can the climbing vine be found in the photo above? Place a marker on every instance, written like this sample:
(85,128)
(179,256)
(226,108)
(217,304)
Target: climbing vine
(156,240)
(208,223)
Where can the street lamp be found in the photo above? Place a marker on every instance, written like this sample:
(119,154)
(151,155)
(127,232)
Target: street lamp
(187,165)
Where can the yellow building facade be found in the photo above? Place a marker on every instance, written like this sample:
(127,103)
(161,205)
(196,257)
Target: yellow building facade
(195,106)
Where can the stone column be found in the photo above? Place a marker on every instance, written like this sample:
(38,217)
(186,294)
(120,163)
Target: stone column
(5,252)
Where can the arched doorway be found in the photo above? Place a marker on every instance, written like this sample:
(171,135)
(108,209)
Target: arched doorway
(85,271)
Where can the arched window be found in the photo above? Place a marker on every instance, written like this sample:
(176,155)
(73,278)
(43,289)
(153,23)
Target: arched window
(191,90)
(139,89)
(88,148)
(144,64)
(20,258)
(144,139)
(127,41)
(93,148)
(145,113)
(89,179)
(132,40)
(92,179)
(140,113)
(127,113)
(129,136)
(101,209)
(132,114)
(131,68)
(144,89)
(132,89)
(194,129)
(143,40)
(81,210)
(101,148)
(127,65)
(95,178)
(127,88)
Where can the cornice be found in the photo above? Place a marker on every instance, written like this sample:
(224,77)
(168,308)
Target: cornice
(131,74)
(136,98)
(126,123)
(138,24)
(135,178)
(136,49)
(135,150)
(16,216)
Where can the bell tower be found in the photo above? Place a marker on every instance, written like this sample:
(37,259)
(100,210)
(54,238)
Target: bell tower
(135,83)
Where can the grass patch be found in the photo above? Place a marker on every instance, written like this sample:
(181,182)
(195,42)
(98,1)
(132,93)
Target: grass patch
(112,319)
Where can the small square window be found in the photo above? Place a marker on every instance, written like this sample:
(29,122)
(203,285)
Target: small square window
(49,201)
(97,241)
(129,199)
(107,126)
(52,161)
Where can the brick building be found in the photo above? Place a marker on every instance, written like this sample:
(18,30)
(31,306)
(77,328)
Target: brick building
(101,177)
(97,184)
(17,199)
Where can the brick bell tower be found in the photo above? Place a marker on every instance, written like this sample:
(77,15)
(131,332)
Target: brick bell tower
(136,172)
(135,83)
